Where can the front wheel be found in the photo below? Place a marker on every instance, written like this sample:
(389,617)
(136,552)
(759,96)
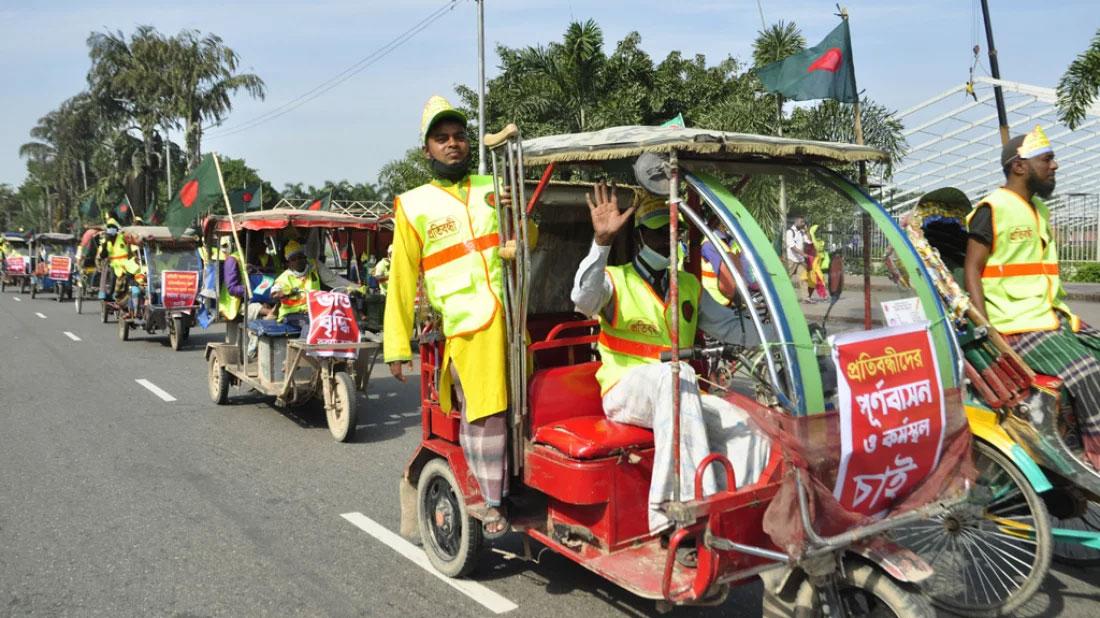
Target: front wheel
(34,290)
(78,302)
(451,537)
(340,409)
(861,589)
(991,553)
(123,329)
(104,311)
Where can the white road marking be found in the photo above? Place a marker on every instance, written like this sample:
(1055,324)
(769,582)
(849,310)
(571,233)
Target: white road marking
(156,390)
(16,299)
(72,336)
(41,315)
(489,599)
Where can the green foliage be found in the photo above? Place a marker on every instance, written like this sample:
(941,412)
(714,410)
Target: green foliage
(403,174)
(1088,272)
(1079,85)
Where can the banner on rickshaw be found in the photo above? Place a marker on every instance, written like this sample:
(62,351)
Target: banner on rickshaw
(892,415)
(332,322)
(15,264)
(178,288)
(60,267)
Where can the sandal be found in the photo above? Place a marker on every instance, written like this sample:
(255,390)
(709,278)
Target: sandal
(495,524)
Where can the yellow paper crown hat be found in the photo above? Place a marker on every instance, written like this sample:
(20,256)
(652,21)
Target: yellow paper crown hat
(652,210)
(437,108)
(1035,144)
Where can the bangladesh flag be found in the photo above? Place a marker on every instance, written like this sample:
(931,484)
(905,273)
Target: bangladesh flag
(824,71)
(247,199)
(89,208)
(123,212)
(321,202)
(200,192)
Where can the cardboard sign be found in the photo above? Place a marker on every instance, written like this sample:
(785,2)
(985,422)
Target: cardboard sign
(15,265)
(891,415)
(332,321)
(60,267)
(178,288)
(902,311)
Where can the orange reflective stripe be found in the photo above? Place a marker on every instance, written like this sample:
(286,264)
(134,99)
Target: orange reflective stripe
(454,252)
(710,274)
(633,348)
(1028,269)
(294,302)
(119,257)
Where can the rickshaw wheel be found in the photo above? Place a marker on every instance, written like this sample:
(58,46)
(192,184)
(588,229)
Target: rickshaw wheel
(451,537)
(78,301)
(1075,554)
(23,286)
(864,589)
(3,283)
(175,338)
(218,381)
(340,407)
(104,311)
(989,558)
(34,290)
(123,329)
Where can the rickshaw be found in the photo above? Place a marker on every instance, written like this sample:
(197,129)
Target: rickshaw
(286,364)
(86,275)
(165,273)
(54,264)
(991,561)
(578,481)
(16,263)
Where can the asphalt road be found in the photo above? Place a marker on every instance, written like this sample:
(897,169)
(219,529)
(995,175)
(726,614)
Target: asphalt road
(116,502)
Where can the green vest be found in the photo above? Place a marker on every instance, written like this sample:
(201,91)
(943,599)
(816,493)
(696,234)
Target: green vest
(460,252)
(289,281)
(641,329)
(1021,282)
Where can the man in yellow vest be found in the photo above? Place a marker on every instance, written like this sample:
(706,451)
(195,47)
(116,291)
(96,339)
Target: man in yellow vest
(113,254)
(1012,276)
(448,230)
(381,270)
(304,274)
(631,303)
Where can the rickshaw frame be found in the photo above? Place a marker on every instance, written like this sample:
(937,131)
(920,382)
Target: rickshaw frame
(43,282)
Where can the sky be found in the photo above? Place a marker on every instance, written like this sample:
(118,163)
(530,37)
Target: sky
(904,51)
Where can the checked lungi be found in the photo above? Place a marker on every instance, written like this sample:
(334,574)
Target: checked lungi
(1075,358)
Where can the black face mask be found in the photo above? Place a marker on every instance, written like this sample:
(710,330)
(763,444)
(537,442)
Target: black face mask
(453,172)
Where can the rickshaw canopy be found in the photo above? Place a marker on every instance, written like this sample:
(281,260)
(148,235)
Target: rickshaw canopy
(55,237)
(631,141)
(141,234)
(282,218)
(15,237)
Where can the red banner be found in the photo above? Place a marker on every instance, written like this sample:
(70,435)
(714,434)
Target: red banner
(15,265)
(178,288)
(332,321)
(60,267)
(891,415)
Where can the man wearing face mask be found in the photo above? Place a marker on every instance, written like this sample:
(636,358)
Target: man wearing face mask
(631,303)
(1012,277)
(447,229)
(114,252)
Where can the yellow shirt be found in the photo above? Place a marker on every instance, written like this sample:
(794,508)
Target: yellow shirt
(478,358)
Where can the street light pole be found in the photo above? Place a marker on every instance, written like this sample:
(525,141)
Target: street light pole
(481,87)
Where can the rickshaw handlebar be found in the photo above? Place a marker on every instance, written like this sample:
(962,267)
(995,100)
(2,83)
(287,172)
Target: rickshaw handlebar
(703,352)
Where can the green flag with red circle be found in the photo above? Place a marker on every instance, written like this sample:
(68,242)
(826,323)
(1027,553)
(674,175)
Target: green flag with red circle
(824,71)
(320,202)
(198,194)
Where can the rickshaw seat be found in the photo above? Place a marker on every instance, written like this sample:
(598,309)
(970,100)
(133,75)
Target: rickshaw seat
(272,328)
(567,414)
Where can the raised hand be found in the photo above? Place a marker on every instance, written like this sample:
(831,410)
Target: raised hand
(606,218)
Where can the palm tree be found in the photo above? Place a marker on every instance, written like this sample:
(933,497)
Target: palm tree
(776,42)
(203,75)
(1079,85)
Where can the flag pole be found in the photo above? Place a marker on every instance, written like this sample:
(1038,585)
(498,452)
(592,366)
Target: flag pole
(233,229)
(865,219)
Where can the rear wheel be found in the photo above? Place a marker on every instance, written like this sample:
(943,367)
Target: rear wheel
(34,289)
(991,553)
(451,537)
(175,333)
(78,301)
(861,589)
(123,329)
(218,381)
(104,311)
(1077,554)
(340,409)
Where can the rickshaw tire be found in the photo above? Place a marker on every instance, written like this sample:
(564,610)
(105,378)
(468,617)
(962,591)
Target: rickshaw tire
(175,338)
(343,389)
(34,291)
(1089,521)
(103,311)
(465,559)
(218,379)
(903,600)
(123,329)
(78,301)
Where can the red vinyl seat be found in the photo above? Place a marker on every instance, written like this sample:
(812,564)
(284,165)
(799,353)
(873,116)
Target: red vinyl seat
(592,437)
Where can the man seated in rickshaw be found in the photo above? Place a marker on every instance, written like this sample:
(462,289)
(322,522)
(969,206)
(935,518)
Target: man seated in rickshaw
(113,251)
(631,304)
(303,275)
(1012,277)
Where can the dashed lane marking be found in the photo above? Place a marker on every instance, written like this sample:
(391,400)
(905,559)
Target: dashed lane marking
(72,336)
(41,315)
(486,597)
(156,390)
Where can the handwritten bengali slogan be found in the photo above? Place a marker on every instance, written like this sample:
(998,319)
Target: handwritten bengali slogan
(891,415)
(60,267)
(332,321)
(178,288)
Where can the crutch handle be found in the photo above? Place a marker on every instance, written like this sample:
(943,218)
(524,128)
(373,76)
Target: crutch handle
(492,140)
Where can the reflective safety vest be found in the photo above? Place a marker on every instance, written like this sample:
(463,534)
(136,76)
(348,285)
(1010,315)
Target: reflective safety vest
(289,281)
(641,330)
(229,305)
(710,278)
(118,252)
(460,252)
(1021,281)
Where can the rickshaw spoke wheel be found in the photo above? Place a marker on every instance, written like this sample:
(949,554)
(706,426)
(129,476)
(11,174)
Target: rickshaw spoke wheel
(451,537)
(861,589)
(1076,554)
(989,558)
(340,411)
